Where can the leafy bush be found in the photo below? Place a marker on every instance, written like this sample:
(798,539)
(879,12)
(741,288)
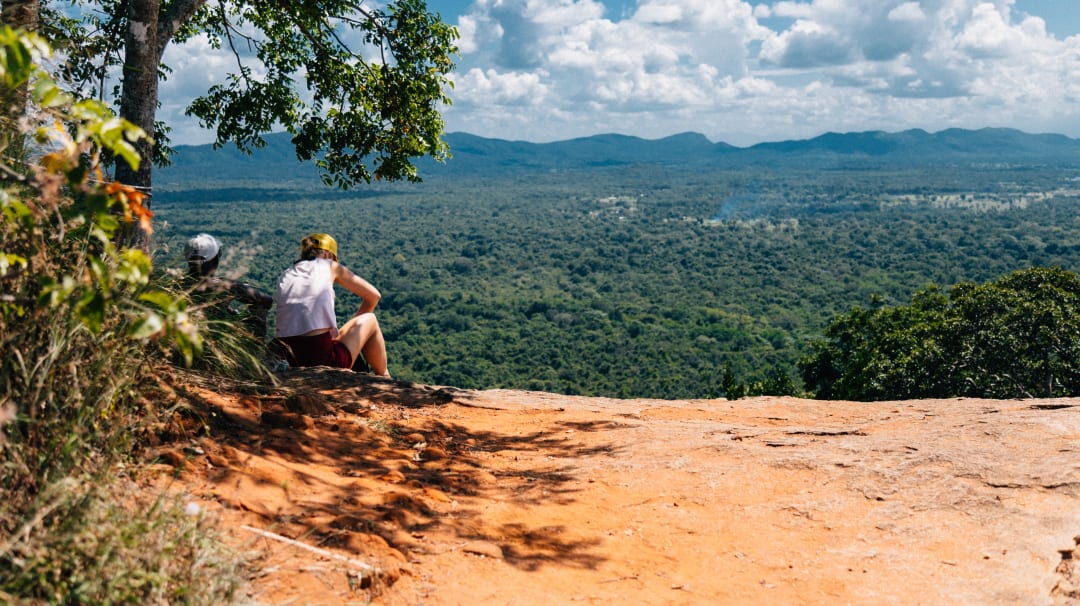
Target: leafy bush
(82,328)
(1018,336)
(91,543)
(227,339)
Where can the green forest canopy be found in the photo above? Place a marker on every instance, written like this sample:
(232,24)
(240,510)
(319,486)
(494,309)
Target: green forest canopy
(640,281)
(1017,336)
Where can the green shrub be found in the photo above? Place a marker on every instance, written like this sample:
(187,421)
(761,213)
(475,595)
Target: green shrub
(96,544)
(1018,336)
(82,329)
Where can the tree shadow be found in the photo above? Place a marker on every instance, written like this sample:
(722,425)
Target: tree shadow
(388,484)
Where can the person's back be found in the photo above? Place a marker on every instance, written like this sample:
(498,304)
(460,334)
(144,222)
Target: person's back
(306,330)
(305,299)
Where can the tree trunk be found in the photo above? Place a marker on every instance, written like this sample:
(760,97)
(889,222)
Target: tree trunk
(149,32)
(20,13)
(16,14)
(139,96)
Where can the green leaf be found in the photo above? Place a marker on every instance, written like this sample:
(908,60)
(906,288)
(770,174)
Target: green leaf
(48,94)
(17,212)
(135,267)
(146,326)
(91,310)
(162,300)
(9,261)
(54,292)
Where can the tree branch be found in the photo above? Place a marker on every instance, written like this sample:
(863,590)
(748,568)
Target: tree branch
(362,566)
(226,26)
(7,174)
(170,23)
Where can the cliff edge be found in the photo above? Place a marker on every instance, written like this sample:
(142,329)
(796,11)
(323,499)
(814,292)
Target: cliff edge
(344,487)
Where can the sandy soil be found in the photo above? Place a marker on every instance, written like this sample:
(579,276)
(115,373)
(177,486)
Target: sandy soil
(345,488)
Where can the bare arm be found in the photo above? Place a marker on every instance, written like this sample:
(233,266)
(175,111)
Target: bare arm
(356,285)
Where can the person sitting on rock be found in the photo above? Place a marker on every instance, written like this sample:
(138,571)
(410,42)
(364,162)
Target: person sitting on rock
(306,326)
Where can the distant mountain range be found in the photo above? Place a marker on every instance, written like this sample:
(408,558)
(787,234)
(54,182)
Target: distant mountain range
(479,156)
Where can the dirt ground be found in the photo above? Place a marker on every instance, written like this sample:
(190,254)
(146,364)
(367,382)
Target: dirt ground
(348,489)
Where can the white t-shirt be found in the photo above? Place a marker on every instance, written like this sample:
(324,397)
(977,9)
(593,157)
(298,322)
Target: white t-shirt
(305,299)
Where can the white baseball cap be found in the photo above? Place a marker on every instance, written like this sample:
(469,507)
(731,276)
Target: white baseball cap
(202,247)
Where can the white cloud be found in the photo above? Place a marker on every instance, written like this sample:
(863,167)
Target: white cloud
(483,88)
(467,30)
(794,10)
(554,69)
(669,53)
(807,44)
(909,12)
(989,35)
(196,66)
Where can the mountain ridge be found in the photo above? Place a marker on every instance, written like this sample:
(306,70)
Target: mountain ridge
(474,155)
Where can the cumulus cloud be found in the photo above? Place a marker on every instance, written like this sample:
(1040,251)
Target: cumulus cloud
(195,67)
(482,88)
(744,71)
(666,54)
(726,68)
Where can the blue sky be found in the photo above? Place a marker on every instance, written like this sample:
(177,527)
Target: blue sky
(735,71)
(1061,16)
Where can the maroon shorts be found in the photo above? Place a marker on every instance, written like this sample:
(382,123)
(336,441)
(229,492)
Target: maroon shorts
(316,350)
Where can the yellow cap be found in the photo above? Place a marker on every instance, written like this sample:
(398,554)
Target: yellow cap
(321,241)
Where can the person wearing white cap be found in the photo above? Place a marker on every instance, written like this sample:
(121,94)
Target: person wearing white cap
(203,254)
(306,328)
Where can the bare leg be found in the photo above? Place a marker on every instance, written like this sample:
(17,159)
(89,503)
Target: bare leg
(362,335)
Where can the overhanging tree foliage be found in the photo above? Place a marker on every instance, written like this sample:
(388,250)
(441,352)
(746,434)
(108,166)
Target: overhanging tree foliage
(376,76)
(386,107)
(1015,337)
